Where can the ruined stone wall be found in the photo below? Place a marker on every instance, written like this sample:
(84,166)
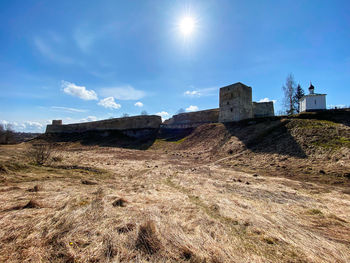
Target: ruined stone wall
(192,119)
(263,109)
(235,103)
(121,124)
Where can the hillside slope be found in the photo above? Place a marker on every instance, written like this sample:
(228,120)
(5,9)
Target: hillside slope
(305,148)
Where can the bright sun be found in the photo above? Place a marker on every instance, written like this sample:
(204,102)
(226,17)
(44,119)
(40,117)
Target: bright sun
(187,25)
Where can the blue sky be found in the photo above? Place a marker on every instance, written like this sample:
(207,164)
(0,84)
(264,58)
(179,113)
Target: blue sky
(87,60)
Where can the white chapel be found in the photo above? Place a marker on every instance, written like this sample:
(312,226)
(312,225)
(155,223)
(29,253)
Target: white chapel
(313,101)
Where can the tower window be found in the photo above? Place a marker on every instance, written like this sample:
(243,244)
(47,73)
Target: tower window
(228,103)
(315,102)
(231,109)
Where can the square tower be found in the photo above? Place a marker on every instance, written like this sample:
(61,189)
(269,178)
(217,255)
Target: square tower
(235,103)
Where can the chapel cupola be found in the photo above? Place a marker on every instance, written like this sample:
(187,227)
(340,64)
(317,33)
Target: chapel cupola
(311,89)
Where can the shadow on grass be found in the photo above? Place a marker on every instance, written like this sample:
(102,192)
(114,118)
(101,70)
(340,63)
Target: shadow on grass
(136,139)
(266,135)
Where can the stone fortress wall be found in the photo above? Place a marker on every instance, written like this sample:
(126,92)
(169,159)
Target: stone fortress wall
(263,109)
(121,124)
(235,104)
(192,119)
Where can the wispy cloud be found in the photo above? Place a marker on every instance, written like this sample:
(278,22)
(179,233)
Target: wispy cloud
(78,91)
(109,103)
(267,100)
(123,93)
(192,93)
(83,39)
(192,108)
(89,118)
(66,109)
(85,35)
(47,51)
(201,92)
(139,104)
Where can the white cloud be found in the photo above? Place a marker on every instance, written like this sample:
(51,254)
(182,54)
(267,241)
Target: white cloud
(163,114)
(89,118)
(193,93)
(201,92)
(123,93)
(78,91)
(33,126)
(67,109)
(27,126)
(139,104)
(267,100)
(192,108)
(3,122)
(109,103)
(338,106)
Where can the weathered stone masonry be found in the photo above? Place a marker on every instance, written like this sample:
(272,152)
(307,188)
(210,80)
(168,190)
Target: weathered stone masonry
(235,104)
(129,125)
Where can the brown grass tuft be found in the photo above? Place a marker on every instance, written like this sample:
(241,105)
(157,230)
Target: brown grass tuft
(125,229)
(3,169)
(88,182)
(147,239)
(120,202)
(36,188)
(32,204)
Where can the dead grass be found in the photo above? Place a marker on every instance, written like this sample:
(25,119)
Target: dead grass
(154,207)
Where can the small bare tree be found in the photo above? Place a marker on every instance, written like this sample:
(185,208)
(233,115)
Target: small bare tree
(7,135)
(289,92)
(41,153)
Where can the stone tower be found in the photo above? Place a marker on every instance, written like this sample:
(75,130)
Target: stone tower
(235,103)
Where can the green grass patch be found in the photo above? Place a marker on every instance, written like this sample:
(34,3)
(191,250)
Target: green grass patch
(307,124)
(314,211)
(333,143)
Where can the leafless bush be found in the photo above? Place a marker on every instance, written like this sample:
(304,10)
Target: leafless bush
(6,134)
(41,153)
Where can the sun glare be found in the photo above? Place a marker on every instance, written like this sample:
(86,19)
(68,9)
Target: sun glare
(187,25)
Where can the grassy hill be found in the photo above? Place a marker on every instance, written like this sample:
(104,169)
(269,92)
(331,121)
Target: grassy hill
(264,190)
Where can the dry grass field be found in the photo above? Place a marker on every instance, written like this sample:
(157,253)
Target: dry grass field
(173,203)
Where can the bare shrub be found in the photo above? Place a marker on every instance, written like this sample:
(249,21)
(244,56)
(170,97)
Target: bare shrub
(41,153)
(7,135)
